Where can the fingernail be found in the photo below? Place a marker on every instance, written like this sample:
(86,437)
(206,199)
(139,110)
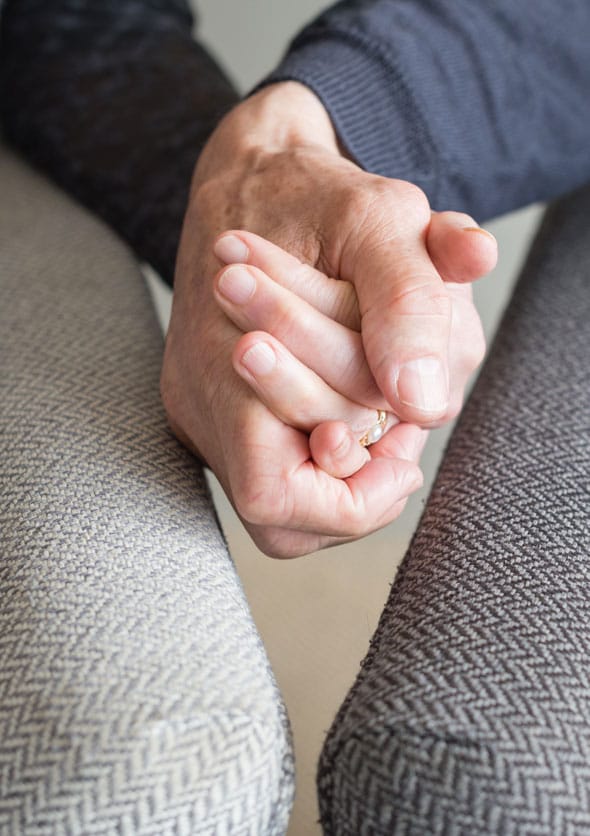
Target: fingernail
(237,285)
(479,229)
(423,385)
(260,359)
(231,249)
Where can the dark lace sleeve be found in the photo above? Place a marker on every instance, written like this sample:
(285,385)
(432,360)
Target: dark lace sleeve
(114,101)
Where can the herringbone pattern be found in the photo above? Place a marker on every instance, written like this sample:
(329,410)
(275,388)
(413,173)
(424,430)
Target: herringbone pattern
(135,696)
(471,714)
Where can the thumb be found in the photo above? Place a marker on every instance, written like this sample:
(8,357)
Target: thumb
(460,249)
(405,309)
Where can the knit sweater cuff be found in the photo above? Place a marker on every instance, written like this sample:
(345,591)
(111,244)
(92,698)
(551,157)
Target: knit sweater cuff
(373,111)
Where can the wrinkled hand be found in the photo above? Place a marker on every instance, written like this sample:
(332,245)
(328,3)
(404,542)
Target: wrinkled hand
(273,166)
(309,340)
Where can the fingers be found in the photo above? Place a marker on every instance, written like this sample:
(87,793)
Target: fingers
(335,449)
(334,298)
(460,249)
(405,441)
(406,307)
(287,543)
(429,389)
(366,500)
(253,301)
(406,330)
(292,391)
(273,483)
(334,352)
(306,499)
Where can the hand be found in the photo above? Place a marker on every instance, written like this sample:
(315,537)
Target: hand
(318,353)
(272,166)
(320,323)
(276,164)
(290,505)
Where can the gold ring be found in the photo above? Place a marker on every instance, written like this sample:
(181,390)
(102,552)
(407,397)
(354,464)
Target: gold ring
(377,430)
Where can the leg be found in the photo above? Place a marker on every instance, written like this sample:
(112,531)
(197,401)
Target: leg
(470,714)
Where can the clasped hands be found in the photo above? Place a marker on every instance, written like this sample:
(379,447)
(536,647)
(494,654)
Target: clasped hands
(342,295)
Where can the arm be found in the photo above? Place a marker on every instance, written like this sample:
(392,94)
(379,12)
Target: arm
(114,100)
(115,103)
(483,105)
(292,138)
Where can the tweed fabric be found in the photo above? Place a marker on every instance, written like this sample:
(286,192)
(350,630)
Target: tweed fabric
(135,695)
(471,713)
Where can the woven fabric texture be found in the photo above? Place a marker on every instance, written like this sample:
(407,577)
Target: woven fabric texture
(471,713)
(135,695)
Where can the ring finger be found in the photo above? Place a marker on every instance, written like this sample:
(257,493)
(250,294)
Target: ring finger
(296,394)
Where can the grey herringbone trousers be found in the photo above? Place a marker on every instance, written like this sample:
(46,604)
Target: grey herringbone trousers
(135,694)
(471,714)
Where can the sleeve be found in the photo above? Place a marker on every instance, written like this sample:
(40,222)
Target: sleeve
(114,100)
(484,105)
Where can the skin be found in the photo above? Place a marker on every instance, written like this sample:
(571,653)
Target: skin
(324,368)
(274,167)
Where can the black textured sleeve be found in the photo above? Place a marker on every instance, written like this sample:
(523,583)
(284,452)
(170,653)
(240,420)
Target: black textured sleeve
(114,100)
(484,105)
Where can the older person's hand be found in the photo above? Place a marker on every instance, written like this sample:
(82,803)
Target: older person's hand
(274,167)
(313,331)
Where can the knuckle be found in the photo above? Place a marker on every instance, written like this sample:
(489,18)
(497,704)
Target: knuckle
(413,199)
(392,198)
(379,211)
(283,322)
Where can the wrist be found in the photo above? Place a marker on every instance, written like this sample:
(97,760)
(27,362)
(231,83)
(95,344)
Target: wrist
(289,114)
(280,117)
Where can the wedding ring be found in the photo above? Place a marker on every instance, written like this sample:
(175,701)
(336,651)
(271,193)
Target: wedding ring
(376,431)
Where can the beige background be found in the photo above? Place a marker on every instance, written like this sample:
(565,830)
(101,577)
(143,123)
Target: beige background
(316,614)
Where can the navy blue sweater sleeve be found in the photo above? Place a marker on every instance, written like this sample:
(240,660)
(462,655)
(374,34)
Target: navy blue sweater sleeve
(485,105)
(114,100)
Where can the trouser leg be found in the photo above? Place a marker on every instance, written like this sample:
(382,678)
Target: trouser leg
(471,711)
